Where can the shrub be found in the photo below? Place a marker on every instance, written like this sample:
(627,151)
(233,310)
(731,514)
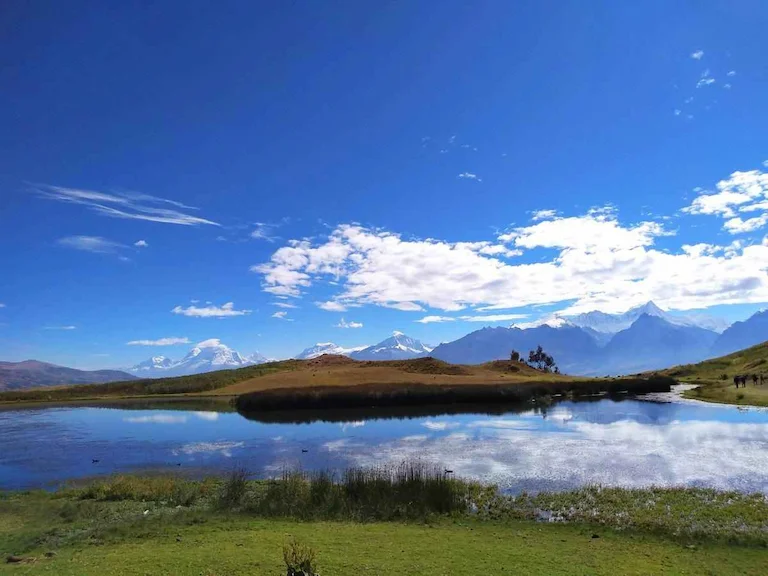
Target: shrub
(299,559)
(234,489)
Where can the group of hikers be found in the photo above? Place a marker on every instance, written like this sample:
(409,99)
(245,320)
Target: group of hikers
(741,379)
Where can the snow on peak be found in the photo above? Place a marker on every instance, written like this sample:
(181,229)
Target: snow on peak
(397,333)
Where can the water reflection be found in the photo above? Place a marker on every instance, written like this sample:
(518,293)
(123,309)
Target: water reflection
(568,444)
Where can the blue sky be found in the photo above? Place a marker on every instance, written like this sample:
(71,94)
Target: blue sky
(383,163)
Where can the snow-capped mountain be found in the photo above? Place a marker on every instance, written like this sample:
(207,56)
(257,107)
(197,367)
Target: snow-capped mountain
(152,364)
(613,323)
(327,348)
(206,356)
(396,347)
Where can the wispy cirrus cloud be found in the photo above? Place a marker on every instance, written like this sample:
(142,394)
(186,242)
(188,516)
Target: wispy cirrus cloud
(344,324)
(211,311)
(95,244)
(125,205)
(287,305)
(170,341)
(282,315)
(264,231)
(68,327)
(493,317)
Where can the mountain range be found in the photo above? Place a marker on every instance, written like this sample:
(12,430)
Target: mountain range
(31,373)
(590,344)
(206,356)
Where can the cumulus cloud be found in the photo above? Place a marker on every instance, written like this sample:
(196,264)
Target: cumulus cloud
(170,341)
(742,192)
(282,315)
(433,319)
(344,324)
(210,311)
(125,205)
(95,244)
(469,176)
(731,73)
(697,55)
(141,244)
(599,263)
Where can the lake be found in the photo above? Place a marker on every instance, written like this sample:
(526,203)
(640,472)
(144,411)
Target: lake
(659,439)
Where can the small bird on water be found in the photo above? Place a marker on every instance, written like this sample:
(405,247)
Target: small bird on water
(94,461)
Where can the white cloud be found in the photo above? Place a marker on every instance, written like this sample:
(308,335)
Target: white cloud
(331,306)
(170,341)
(282,315)
(2,305)
(211,311)
(125,205)
(207,416)
(283,304)
(741,192)
(727,86)
(344,324)
(705,80)
(731,73)
(264,231)
(433,319)
(697,55)
(678,112)
(493,318)
(469,176)
(70,327)
(543,215)
(141,244)
(95,244)
(597,262)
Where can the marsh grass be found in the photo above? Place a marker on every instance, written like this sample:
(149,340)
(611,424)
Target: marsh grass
(409,491)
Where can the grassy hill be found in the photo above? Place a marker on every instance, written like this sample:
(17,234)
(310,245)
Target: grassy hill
(331,375)
(715,377)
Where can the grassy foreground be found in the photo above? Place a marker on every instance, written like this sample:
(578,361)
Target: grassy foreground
(408,520)
(715,377)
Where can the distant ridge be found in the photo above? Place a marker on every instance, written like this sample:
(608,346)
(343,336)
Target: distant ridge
(33,373)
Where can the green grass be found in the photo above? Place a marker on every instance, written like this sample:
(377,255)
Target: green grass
(715,377)
(435,525)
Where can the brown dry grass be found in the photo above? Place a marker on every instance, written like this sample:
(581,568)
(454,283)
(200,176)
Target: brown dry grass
(332,373)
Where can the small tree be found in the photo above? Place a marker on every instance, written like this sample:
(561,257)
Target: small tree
(541,360)
(515,356)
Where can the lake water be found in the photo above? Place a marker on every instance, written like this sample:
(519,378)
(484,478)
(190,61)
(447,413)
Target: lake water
(659,440)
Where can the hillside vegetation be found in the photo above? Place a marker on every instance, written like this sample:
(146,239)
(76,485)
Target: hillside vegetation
(715,377)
